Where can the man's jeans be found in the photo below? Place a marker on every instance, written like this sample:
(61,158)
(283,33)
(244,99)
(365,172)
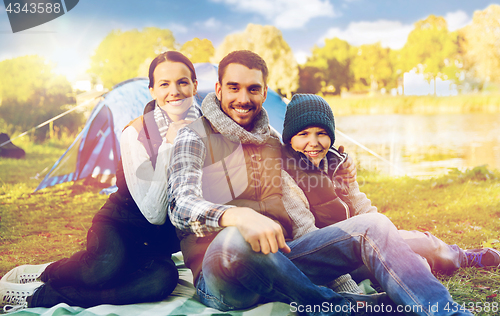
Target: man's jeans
(235,277)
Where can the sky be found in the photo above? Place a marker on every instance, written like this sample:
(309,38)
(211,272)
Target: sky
(71,39)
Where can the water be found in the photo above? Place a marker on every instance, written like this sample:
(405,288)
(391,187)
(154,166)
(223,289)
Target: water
(422,145)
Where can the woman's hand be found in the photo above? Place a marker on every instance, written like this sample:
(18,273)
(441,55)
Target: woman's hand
(174,128)
(347,171)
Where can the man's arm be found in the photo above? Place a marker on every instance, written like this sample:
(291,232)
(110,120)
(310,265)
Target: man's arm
(187,208)
(262,233)
(189,212)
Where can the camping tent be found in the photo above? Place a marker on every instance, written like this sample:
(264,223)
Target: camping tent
(96,150)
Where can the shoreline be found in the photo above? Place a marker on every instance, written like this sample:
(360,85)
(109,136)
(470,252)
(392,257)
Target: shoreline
(386,104)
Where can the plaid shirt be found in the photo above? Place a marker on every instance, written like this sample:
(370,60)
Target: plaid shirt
(188,210)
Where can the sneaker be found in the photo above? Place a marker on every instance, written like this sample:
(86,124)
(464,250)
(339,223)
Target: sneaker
(25,274)
(374,304)
(483,257)
(13,296)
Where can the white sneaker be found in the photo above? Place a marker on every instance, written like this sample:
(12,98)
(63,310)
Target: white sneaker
(13,296)
(25,274)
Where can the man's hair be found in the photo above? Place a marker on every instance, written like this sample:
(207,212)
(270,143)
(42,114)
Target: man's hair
(246,58)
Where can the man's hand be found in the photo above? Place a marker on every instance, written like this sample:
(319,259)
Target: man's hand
(173,128)
(262,233)
(347,171)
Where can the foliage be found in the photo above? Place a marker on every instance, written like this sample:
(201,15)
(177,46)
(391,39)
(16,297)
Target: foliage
(481,45)
(268,42)
(198,51)
(119,56)
(372,66)
(432,49)
(334,63)
(309,79)
(30,94)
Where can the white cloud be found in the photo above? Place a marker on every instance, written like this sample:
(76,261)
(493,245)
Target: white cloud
(457,20)
(284,14)
(392,34)
(177,28)
(212,24)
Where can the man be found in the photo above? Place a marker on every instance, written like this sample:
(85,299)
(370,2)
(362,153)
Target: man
(231,202)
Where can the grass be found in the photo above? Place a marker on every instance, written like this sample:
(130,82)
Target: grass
(47,225)
(461,208)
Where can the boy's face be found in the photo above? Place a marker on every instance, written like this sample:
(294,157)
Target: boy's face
(313,142)
(241,94)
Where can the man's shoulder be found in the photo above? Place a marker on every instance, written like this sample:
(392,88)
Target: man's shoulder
(198,126)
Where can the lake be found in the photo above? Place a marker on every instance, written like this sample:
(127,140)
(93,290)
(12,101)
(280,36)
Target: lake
(422,145)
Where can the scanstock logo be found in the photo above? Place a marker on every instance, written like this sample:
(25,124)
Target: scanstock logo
(25,14)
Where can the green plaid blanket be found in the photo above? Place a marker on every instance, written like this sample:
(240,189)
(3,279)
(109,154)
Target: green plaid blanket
(183,301)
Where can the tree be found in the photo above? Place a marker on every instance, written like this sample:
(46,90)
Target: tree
(334,62)
(371,66)
(31,94)
(198,51)
(268,42)
(481,45)
(23,75)
(119,56)
(309,79)
(432,49)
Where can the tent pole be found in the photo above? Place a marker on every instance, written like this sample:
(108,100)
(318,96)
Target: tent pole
(47,122)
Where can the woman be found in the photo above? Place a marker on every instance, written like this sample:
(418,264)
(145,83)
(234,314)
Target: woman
(312,161)
(129,246)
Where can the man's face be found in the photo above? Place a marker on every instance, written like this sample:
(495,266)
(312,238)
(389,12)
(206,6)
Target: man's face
(241,94)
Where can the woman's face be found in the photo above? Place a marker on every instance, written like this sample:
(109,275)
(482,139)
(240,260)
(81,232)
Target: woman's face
(313,142)
(173,89)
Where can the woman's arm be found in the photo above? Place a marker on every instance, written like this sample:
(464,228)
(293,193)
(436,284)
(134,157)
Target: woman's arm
(147,185)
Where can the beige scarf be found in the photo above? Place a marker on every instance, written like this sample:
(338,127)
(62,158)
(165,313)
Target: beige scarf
(232,130)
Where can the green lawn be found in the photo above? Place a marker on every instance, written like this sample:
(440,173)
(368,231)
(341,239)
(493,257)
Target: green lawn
(460,208)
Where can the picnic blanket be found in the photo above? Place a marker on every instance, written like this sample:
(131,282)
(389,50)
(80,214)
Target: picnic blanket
(183,301)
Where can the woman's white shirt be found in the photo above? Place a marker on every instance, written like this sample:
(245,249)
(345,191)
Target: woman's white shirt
(147,185)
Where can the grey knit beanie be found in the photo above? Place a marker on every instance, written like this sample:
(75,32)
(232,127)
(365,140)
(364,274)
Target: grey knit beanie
(307,110)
